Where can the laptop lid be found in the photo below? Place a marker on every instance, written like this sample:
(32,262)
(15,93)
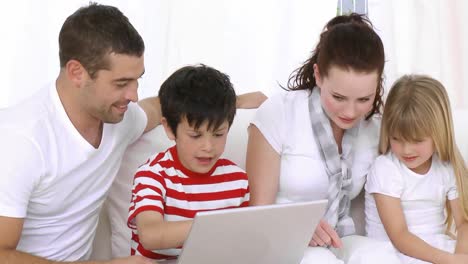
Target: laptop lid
(277,233)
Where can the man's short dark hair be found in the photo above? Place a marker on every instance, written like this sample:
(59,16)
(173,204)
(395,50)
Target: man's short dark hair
(93,32)
(198,93)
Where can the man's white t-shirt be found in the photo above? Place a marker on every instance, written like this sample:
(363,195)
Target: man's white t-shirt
(53,178)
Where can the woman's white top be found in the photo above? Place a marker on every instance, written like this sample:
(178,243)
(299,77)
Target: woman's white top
(285,123)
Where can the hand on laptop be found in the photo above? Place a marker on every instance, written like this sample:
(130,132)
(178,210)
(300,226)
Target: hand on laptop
(326,236)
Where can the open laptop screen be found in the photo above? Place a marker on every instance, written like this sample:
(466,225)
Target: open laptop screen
(277,233)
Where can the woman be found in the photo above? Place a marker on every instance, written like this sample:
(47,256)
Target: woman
(318,140)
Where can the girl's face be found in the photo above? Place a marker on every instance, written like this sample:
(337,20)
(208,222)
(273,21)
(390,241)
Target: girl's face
(347,96)
(417,156)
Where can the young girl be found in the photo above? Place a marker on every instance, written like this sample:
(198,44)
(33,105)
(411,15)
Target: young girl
(419,176)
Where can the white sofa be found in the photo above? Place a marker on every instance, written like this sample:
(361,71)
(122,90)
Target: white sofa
(113,236)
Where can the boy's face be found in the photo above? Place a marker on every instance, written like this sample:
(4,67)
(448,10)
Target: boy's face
(198,149)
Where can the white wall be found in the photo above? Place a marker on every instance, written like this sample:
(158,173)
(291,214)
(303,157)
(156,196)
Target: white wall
(258,43)
(29,46)
(428,37)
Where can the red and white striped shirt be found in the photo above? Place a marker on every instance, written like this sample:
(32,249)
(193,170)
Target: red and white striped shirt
(164,185)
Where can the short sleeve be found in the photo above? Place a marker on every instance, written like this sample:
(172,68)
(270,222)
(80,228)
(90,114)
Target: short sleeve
(148,193)
(384,178)
(245,199)
(269,119)
(365,153)
(22,166)
(135,122)
(451,186)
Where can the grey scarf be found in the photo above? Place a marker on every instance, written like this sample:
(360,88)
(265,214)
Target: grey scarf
(339,175)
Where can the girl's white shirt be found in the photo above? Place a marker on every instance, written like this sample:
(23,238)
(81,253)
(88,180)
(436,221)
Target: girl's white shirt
(423,199)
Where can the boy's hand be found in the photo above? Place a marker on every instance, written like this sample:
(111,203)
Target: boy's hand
(133,260)
(250,100)
(325,235)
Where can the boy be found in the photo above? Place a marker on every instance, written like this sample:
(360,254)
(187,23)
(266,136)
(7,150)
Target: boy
(198,106)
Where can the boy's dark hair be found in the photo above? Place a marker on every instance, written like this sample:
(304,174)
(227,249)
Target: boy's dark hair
(95,31)
(198,93)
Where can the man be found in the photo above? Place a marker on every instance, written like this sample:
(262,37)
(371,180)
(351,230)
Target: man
(62,147)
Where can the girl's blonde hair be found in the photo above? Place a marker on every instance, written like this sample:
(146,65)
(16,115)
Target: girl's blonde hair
(417,106)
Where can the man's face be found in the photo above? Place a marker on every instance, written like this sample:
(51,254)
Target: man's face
(106,97)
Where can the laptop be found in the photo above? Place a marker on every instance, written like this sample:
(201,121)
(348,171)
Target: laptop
(277,233)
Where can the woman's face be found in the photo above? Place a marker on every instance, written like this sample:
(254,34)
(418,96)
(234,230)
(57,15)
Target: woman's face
(347,96)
